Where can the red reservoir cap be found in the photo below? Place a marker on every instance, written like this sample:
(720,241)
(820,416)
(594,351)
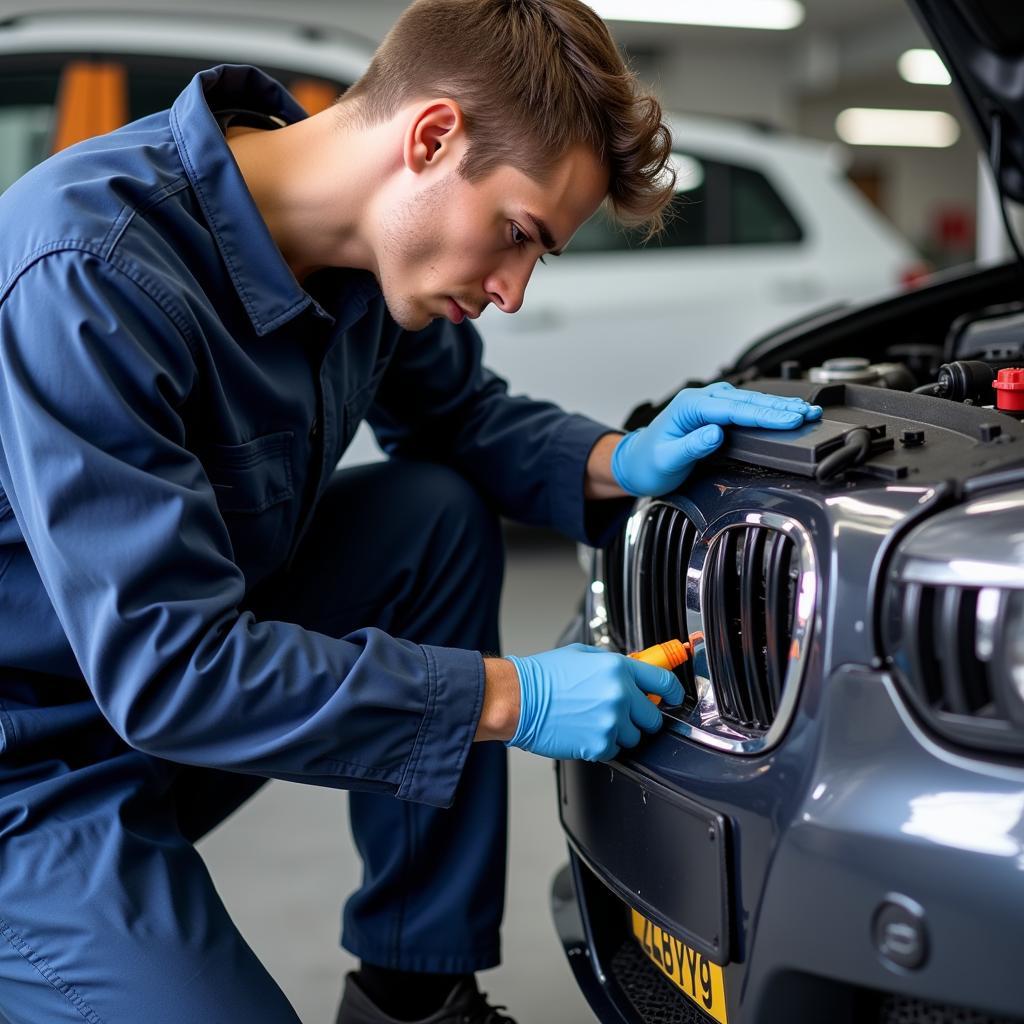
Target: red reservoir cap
(1009,385)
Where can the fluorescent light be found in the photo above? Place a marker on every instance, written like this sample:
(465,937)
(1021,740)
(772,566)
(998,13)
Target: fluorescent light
(863,126)
(771,14)
(923,67)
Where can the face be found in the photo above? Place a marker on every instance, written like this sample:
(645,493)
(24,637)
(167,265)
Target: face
(449,247)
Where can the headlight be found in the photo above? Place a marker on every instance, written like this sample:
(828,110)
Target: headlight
(954,622)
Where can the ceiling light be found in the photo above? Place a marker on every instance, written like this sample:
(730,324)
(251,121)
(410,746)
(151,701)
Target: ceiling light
(923,67)
(863,126)
(770,14)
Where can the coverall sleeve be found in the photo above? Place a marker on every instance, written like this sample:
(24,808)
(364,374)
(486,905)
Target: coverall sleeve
(124,529)
(438,401)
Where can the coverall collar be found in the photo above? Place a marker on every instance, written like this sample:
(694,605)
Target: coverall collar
(266,286)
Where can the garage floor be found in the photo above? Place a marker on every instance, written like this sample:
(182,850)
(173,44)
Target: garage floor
(285,862)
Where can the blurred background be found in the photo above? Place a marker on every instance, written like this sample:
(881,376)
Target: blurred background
(822,158)
(838,56)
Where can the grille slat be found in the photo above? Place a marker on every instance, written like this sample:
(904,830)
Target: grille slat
(752,623)
(720,653)
(687,538)
(613,577)
(680,626)
(666,596)
(777,615)
(779,606)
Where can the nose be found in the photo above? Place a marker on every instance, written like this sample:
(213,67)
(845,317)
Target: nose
(506,287)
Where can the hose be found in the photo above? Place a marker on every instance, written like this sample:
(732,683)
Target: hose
(856,446)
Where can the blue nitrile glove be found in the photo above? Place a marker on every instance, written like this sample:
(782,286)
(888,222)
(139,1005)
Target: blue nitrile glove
(583,702)
(657,458)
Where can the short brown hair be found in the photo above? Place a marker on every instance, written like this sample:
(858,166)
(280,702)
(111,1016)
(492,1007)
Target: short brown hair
(533,78)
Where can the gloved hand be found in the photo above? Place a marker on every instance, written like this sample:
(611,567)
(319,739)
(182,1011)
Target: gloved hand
(583,702)
(657,458)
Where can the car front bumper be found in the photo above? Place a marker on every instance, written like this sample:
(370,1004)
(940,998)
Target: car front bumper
(815,863)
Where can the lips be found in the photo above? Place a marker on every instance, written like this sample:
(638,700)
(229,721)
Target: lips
(455,312)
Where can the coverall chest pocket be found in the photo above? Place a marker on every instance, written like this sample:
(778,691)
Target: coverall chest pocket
(255,492)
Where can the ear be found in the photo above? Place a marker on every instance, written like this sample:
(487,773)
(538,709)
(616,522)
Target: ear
(435,135)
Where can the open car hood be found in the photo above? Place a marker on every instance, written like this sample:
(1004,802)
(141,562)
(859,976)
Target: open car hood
(982,44)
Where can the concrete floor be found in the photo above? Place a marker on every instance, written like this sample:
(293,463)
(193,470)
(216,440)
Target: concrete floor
(285,862)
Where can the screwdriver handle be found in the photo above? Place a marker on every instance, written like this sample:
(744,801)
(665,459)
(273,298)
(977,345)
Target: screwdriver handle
(668,655)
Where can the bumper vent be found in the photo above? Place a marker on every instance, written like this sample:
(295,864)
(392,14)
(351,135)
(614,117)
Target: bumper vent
(907,1010)
(959,655)
(650,994)
(750,602)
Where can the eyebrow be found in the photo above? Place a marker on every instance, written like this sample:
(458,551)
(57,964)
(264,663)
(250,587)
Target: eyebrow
(545,234)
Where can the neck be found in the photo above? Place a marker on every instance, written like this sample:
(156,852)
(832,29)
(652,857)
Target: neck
(312,183)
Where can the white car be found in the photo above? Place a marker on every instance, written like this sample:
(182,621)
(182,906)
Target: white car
(765,228)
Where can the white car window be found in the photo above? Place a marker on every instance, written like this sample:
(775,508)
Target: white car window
(717,203)
(757,214)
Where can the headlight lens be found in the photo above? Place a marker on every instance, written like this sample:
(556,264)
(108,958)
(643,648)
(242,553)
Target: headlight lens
(954,623)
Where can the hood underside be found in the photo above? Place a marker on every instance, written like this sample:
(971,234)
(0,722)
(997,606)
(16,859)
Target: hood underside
(982,45)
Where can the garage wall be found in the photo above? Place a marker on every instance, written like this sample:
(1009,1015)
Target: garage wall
(752,87)
(918,183)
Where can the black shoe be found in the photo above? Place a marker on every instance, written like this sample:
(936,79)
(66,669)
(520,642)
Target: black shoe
(466,1004)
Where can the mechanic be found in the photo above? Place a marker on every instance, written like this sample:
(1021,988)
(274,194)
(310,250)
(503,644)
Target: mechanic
(197,311)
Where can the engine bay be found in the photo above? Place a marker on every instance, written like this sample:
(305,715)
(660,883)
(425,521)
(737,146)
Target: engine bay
(923,392)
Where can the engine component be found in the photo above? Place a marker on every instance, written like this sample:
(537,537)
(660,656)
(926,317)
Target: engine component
(819,450)
(856,370)
(856,448)
(993,335)
(1009,385)
(850,369)
(966,380)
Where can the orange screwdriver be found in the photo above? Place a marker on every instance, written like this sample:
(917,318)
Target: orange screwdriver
(668,655)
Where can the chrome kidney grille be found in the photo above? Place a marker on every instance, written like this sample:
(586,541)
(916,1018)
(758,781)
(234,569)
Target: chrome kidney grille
(750,605)
(742,590)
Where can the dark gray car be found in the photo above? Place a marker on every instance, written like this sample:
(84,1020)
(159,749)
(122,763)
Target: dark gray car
(831,826)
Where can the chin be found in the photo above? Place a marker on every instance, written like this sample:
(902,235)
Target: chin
(408,313)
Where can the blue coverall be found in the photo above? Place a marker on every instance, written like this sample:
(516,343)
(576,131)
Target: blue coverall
(192,598)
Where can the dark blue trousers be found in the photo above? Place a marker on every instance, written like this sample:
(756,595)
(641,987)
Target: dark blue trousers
(107,913)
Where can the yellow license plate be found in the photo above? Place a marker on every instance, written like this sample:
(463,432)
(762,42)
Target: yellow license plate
(701,981)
